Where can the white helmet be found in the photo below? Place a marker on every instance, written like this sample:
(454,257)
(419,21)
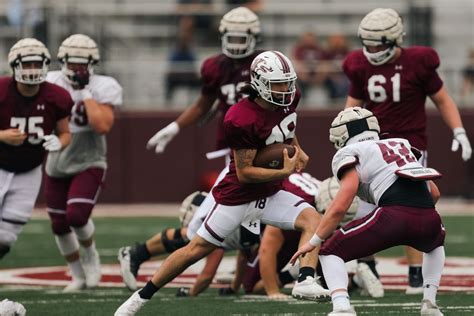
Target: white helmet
(327,191)
(273,67)
(29,50)
(353,123)
(240,30)
(189,207)
(78,49)
(381,27)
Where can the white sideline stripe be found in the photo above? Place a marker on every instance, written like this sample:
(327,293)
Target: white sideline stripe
(56,211)
(361,225)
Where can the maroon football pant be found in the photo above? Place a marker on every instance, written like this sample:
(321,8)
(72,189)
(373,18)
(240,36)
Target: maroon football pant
(386,227)
(70,200)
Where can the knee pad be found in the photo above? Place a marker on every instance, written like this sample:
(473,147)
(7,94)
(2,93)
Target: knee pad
(85,232)
(59,225)
(4,249)
(67,243)
(78,214)
(174,244)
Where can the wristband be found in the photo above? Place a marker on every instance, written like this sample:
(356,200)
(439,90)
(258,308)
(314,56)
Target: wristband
(315,241)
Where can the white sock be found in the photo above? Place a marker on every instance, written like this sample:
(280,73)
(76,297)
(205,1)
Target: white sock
(433,263)
(77,271)
(335,273)
(340,301)
(90,251)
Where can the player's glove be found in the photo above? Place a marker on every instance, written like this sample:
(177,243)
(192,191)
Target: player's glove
(51,143)
(225,291)
(163,137)
(183,292)
(81,78)
(8,307)
(460,138)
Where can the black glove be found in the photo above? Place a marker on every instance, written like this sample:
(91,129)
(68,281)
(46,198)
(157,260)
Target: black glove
(81,78)
(183,292)
(226,291)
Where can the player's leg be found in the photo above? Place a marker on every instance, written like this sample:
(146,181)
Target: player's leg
(221,221)
(290,212)
(82,197)
(433,263)
(56,190)
(18,193)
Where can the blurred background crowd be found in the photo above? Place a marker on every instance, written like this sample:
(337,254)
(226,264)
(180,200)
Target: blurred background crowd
(155,48)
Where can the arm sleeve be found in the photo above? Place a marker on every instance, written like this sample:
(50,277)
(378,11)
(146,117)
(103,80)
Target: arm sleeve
(64,105)
(209,71)
(110,92)
(356,88)
(430,79)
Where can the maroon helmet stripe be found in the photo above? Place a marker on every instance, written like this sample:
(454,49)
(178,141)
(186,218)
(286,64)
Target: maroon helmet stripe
(286,67)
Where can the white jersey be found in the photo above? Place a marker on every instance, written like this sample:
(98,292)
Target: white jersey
(376,163)
(87,148)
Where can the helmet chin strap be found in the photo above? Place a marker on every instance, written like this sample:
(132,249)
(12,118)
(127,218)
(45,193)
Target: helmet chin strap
(380,58)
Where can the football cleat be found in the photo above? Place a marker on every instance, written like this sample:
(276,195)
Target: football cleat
(428,308)
(370,283)
(91,264)
(76,285)
(12,308)
(343,312)
(131,306)
(128,269)
(309,289)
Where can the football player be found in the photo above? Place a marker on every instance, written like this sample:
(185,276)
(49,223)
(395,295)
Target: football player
(34,119)
(394,82)
(248,195)
(387,174)
(75,175)
(170,240)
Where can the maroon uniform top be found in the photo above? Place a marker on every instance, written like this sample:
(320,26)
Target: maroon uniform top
(36,116)
(396,92)
(249,126)
(223,77)
(297,189)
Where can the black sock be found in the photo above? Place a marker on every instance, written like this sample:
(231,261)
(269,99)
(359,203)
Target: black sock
(285,277)
(371,264)
(148,291)
(414,270)
(305,272)
(141,253)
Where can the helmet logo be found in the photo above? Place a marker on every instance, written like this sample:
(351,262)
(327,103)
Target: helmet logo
(286,67)
(258,66)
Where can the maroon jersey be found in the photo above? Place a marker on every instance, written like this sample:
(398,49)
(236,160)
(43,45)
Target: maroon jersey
(396,92)
(223,77)
(302,185)
(249,126)
(36,116)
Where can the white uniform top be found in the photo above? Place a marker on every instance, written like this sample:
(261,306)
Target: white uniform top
(376,163)
(87,148)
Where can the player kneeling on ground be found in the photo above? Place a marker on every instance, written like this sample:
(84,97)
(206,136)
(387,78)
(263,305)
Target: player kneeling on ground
(386,173)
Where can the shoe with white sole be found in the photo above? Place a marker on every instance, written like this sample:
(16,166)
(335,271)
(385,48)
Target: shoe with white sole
(343,312)
(429,309)
(91,263)
(131,306)
(129,274)
(76,285)
(309,289)
(369,281)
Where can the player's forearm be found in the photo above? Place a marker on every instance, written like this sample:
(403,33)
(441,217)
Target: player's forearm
(100,118)
(250,174)
(447,108)
(201,284)
(196,111)
(65,139)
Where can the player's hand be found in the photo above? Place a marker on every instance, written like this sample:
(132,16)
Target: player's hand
(80,78)
(12,136)
(307,247)
(226,291)
(302,161)
(163,137)
(183,292)
(289,164)
(52,143)
(460,138)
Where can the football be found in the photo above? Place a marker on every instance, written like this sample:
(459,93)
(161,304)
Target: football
(271,156)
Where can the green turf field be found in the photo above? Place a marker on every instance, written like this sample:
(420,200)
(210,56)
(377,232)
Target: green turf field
(36,247)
